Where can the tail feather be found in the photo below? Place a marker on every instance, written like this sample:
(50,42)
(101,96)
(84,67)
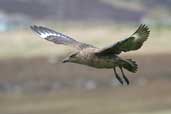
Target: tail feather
(130,65)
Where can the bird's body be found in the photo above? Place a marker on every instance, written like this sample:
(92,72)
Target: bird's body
(88,57)
(107,57)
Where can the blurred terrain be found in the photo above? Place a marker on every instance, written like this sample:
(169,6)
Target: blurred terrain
(34,81)
(118,11)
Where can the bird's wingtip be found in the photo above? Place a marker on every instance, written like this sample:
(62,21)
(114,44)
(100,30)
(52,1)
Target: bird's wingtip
(143,29)
(33,27)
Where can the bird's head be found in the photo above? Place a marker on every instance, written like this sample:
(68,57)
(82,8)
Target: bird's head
(72,58)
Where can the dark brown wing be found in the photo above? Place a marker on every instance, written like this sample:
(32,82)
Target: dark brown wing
(58,38)
(134,42)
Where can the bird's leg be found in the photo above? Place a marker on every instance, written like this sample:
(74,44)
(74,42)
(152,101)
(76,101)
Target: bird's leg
(117,76)
(125,78)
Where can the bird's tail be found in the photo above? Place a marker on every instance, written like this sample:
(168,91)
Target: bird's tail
(130,65)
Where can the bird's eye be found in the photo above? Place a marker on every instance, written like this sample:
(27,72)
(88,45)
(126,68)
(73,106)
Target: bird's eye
(73,55)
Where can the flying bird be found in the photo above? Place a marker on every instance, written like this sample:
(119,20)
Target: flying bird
(107,57)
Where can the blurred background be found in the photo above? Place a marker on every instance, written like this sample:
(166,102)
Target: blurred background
(34,81)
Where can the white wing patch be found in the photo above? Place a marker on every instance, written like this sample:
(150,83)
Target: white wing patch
(47,34)
(58,38)
(44,32)
(137,37)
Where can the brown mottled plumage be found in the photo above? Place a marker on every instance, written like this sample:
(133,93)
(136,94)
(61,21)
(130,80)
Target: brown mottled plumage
(99,58)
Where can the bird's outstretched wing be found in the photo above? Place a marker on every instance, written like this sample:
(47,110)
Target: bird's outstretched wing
(58,38)
(134,42)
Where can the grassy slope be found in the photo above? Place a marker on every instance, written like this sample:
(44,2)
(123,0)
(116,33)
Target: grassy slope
(24,43)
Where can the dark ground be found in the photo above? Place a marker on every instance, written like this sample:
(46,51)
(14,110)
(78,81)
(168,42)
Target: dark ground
(40,74)
(36,86)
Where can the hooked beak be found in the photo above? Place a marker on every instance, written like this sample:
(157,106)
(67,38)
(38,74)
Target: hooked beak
(65,60)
